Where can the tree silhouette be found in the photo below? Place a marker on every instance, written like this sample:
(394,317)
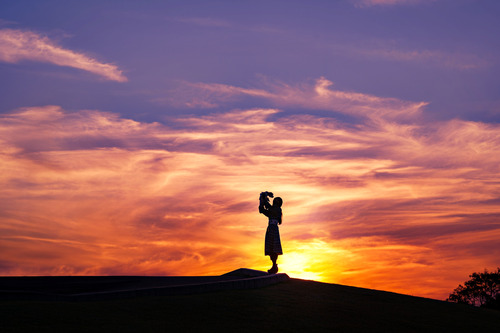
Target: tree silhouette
(483,289)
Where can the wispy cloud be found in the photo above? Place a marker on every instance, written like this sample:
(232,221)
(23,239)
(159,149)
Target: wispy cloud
(317,95)
(448,59)
(205,21)
(90,192)
(20,45)
(373,49)
(371,3)
(210,22)
(6,23)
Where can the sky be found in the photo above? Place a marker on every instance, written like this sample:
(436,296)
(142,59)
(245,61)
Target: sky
(135,138)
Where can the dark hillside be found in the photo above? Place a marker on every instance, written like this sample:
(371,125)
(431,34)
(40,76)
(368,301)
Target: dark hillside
(293,306)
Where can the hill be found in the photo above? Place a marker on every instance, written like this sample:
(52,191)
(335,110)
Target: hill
(291,306)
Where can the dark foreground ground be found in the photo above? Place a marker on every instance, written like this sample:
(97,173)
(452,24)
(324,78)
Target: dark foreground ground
(292,306)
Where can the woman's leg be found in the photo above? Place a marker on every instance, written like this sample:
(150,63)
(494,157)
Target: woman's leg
(274,258)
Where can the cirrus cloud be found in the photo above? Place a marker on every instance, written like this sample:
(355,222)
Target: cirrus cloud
(371,3)
(317,95)
(20,45)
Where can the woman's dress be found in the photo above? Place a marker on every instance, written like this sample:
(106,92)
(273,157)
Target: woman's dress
(273,242)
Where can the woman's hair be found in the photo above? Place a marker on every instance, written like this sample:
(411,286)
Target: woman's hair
(277,202)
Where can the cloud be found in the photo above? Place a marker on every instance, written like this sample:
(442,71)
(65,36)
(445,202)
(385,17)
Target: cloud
(90,192)
(210,22)
(20,45)
(317,95)
(413,198)
(6,22)
(205,22)
(460,61)
(368,48)
(372,3)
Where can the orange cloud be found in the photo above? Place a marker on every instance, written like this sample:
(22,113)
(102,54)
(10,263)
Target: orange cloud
(410,208)
(19,45)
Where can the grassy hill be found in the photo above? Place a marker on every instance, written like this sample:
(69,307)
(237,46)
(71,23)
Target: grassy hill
(292,306)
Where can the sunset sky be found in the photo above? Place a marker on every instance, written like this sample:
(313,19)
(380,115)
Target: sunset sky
(136,136)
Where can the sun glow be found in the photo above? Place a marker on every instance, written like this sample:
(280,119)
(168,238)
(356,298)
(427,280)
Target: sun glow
(297,265)
(312,260)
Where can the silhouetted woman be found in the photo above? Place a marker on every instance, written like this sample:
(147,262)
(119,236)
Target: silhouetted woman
(275,215)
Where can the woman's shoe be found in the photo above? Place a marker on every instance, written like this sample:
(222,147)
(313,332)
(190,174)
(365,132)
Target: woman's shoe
(273,270)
